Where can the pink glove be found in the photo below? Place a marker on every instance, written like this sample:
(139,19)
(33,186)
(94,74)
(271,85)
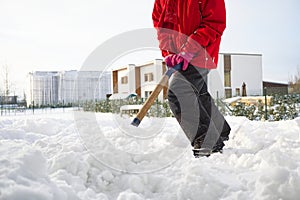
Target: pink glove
(183,57)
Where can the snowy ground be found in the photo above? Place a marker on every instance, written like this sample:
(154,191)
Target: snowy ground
(75,155)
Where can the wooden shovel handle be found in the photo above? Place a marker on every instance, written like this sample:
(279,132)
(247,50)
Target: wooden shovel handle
(150,100)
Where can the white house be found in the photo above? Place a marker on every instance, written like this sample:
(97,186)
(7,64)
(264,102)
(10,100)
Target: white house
(226,81)
(233,70)
(137,79)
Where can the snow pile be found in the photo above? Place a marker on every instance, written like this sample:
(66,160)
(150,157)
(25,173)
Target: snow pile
(100,156)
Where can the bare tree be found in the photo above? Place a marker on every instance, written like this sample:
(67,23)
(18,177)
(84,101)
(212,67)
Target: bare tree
(295,82)
(5,80)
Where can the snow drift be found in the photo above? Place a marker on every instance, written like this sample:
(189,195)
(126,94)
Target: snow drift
(75,155)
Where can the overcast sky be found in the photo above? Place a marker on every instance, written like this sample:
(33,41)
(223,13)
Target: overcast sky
(60,34)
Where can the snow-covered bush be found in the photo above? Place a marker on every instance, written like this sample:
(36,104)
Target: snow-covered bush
(284,107)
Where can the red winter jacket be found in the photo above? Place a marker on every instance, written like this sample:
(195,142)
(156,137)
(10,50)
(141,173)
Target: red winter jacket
(189,25)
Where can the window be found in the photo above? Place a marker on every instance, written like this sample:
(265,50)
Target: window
(124,79)
(228,93)
(147,93)
(237,92)
(227,70)
(148,77)
(227,79)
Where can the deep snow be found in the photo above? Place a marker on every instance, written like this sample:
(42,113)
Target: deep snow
(76,155)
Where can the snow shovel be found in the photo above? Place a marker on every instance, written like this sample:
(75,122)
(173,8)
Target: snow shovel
(150,100)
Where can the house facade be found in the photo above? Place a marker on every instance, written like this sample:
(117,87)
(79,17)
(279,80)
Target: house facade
(234,71)
(138,79)
(276,88)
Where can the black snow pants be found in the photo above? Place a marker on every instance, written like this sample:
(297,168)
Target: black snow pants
(195,110)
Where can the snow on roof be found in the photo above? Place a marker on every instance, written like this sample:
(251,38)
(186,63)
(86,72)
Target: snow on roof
(131,107)
(232,100)
(121,96)
(247,99)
